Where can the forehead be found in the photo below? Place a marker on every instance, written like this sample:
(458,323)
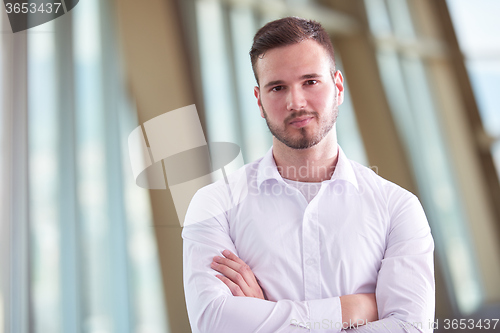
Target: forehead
(293,61)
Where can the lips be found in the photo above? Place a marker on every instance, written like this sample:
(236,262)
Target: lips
(301,121)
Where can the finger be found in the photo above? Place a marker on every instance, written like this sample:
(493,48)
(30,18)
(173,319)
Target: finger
(239,266)
(230,255)
(234,276)
(235,289)
(228,262)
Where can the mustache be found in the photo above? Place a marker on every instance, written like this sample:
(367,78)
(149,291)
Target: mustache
(300,114)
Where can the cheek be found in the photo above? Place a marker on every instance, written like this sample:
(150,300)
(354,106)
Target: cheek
(273,100)
(273,105)
(324,98)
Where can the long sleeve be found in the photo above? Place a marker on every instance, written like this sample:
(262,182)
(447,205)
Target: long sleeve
(210,304)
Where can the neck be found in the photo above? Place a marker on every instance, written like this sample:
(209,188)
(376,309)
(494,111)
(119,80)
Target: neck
(314,164)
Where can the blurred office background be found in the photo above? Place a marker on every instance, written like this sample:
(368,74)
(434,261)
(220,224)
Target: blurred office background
(83,249)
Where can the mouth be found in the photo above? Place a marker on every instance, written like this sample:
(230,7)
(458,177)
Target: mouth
(301,121)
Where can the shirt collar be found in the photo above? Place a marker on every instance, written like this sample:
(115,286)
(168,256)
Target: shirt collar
(343,171)
(268,169)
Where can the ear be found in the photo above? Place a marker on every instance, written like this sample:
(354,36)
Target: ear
(256,92)
(339,83)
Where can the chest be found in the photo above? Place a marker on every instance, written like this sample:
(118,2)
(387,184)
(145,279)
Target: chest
(339,239)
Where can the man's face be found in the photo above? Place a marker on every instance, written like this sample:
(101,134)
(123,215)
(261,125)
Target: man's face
(298,96)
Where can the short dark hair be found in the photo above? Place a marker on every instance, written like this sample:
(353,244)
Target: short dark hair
(288,31)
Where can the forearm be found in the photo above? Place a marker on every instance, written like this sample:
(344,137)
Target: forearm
(248,314)
(238,277)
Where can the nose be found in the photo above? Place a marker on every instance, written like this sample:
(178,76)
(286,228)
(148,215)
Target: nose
(296,100)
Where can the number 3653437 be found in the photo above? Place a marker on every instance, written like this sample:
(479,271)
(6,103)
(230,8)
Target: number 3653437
(25,8)
(463,324)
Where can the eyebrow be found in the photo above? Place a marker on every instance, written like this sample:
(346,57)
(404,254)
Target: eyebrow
(305,76)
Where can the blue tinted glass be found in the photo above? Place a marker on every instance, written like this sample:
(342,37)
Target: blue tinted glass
(43,178)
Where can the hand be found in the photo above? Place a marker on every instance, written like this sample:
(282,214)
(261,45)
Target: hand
(358,309)
(237,275)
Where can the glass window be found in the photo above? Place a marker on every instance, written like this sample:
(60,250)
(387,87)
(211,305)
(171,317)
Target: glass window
(403,72)
(216,73)
(44,181)
(348,135)
(256,135)
(3,217)
(94,265)
(92,184)
(477,28)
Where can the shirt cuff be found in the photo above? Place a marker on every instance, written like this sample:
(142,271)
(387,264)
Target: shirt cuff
(325,315)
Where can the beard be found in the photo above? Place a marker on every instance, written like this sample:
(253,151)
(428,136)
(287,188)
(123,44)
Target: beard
(306,137)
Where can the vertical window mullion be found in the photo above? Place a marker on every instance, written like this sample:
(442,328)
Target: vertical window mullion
(17,161)
(92,185)
(4,190)
(216,74)
(71,256)
(44,196)
(349,137)
(122,313)
(256,138)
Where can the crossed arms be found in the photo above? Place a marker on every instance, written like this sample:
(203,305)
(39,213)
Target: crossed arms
(219,304)
(356,309)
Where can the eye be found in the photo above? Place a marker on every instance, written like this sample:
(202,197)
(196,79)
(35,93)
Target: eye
(277,88)
(311,82)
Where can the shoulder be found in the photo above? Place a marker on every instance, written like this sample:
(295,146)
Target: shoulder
(368,178)
(406,216)
(393,197)
(224,193)
(239,178)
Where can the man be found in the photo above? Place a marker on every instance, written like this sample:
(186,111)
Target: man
(318,242)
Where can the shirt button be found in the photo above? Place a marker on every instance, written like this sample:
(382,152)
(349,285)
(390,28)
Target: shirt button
(310,261)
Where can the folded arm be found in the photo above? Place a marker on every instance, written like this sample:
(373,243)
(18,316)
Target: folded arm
(213,308)
(239,278)
(405,282)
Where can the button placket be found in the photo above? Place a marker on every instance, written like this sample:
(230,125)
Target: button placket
(311,262)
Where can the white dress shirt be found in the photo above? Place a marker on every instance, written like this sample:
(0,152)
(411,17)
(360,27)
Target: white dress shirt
(359,234)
